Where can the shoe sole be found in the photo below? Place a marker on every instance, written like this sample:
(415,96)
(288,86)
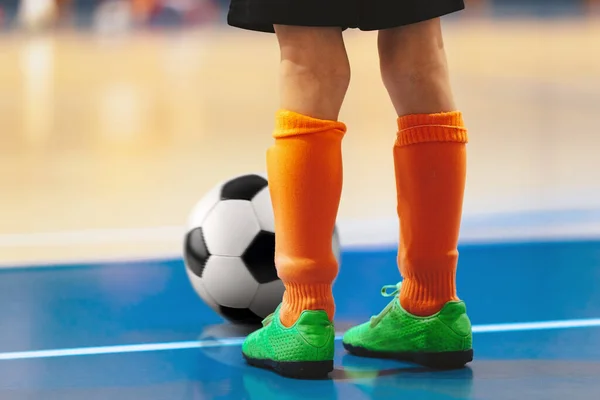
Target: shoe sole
(441,360)
(294,369)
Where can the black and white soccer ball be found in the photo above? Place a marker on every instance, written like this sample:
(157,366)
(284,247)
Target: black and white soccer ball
(229,250)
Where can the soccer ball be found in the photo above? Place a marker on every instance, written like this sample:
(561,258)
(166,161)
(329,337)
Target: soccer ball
(229,250)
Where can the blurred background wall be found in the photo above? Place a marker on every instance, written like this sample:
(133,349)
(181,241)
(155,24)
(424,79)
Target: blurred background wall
(82,13)
(117,115)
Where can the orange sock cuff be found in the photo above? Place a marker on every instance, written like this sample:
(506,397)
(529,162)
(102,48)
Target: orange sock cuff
(290,123)
(441,127)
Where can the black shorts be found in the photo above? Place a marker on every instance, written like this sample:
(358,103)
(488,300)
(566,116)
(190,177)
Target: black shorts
(366,15)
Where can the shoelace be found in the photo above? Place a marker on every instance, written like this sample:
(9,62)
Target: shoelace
(386,293)
(396,287)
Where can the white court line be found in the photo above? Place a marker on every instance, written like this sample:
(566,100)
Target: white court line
(352,233)
(237,341)
(93,236)
(536,326)
(355,234)
(491,225)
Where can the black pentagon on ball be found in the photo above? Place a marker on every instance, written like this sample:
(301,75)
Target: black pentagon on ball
(195,251)
(243,187)
(240,315)
(259,257)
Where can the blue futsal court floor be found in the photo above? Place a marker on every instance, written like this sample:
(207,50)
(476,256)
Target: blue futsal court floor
(136,330)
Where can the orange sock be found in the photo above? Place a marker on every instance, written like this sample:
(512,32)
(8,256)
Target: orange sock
(304,167)
(430,165)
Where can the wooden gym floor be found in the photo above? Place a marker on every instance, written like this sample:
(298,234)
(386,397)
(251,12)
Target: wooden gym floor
(101,133)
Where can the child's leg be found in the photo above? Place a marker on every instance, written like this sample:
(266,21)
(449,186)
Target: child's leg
(305,165)
(430,163)
(427,324)
(414,69)
(314,70)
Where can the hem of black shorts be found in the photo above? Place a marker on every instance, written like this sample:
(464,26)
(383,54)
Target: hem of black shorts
(261,17)
(392,17)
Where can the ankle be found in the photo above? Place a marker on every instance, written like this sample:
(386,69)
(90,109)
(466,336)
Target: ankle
(424,298)
(300,296)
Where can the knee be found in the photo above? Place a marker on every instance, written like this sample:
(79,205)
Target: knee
(314,59)
(412,56)
(414,68)
(328,77)
(316,72)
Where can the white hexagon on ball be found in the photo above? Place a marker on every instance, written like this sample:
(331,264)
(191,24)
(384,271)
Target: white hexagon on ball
(229,282)
(230,227)
(335,246)
(267,298)
(204,207)
(196,282)
(264,210)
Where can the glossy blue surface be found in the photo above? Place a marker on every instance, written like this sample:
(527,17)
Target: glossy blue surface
(77,306)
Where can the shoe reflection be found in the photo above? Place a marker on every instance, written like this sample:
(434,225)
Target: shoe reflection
(354,378)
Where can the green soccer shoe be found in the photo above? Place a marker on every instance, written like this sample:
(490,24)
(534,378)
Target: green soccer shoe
(442,340)
(303,351)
